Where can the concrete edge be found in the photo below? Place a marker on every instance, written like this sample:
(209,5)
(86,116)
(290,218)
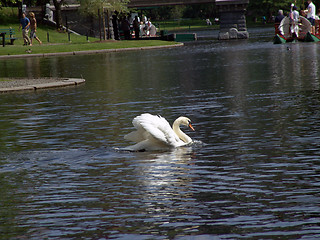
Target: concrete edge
(89,51)
(54,84)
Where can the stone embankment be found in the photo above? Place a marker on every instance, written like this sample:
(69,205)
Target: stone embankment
(23,84)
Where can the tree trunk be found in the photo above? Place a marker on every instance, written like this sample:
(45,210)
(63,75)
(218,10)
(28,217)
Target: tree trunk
(58,15)
(108,25)
(104,25)
(99,16)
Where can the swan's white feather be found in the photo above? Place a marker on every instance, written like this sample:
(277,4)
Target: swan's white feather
(153,133)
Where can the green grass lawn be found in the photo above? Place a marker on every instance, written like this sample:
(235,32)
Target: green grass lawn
(59,42)
(71,47)
(184,25)
(42,33)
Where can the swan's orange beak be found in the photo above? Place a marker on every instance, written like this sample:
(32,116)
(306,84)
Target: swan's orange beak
(190,126)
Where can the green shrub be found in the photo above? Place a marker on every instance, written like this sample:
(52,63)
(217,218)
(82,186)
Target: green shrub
(8,15)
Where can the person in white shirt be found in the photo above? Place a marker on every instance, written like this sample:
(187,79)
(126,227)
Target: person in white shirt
(311,15)
(294,17)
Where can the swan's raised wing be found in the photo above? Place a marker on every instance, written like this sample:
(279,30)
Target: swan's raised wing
(153,128)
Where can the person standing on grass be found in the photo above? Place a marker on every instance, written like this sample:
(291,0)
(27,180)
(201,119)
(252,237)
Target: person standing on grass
(25,24)
(136,27)
(33,27)
(126,28)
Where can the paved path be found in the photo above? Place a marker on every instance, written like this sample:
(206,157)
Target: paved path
(17,84)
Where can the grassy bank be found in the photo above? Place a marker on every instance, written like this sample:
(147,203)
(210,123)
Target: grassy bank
(47,35)
(184,25)
(54,41)
(71,47)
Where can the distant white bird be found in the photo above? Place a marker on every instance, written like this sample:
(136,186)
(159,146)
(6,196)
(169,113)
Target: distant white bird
(154,133)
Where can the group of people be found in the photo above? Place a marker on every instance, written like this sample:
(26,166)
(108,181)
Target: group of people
(27,24)
(309,13)
(144,27)
(135,26)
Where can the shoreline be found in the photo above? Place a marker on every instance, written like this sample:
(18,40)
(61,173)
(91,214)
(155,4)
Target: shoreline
(23,84)
(26,84)
(87,52)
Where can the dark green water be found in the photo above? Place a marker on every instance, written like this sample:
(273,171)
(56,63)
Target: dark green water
(255,107)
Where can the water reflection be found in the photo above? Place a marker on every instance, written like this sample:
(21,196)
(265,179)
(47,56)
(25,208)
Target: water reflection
(255,105)
(165,169)
(165,177)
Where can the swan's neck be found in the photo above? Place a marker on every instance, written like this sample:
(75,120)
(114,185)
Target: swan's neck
(176,128)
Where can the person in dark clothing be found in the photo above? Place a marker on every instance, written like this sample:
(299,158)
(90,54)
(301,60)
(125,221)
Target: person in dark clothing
(136,27)
(280,16)
(125,25)
(25,24)
(115,26)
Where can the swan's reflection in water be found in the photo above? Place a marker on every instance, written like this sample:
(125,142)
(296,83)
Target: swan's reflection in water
(166,181)
(166,167)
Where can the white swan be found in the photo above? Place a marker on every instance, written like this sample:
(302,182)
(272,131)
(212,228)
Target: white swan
(154,133)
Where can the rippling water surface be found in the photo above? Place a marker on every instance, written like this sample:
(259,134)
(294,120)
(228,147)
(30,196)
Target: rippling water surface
(256,110)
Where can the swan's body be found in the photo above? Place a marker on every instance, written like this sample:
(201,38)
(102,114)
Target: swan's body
(154,133)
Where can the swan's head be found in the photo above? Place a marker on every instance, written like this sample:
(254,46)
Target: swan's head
(185,121)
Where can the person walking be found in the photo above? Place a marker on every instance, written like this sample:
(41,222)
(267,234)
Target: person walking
(25,24)
(33,28)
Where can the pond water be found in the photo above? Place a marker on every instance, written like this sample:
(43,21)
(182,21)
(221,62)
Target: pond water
(255,107)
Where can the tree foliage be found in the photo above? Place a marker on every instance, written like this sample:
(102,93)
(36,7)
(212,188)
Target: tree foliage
(91,7)
(8,3)
(182,11)
(15,3)
(102,9)
(268,8)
